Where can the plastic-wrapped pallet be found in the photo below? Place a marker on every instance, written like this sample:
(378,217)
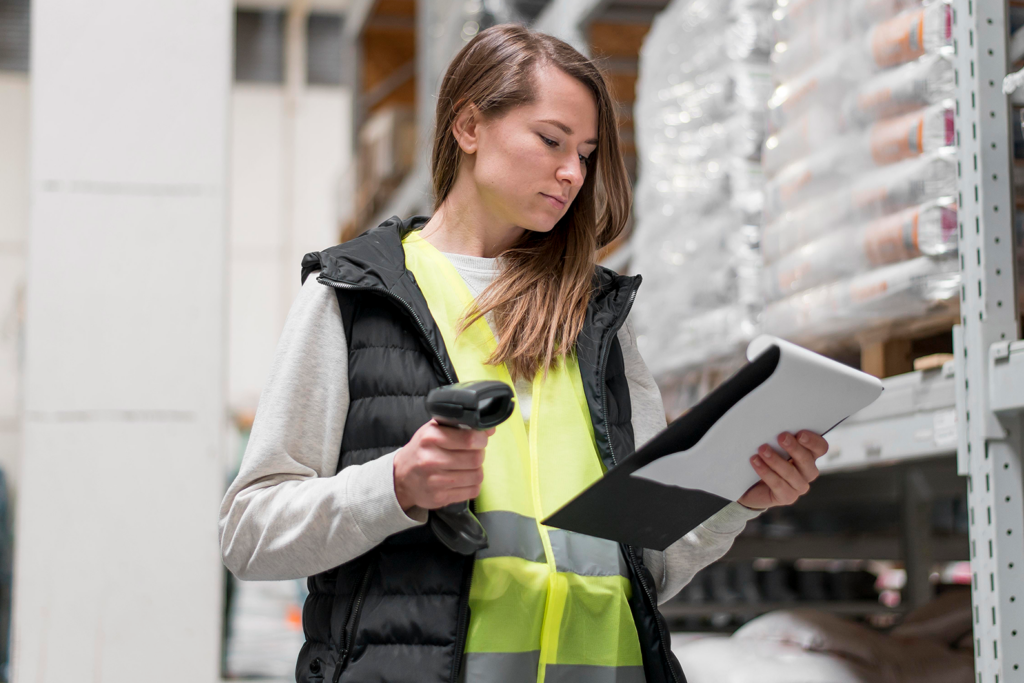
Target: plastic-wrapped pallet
(906,289)
(699,119)
(859,211)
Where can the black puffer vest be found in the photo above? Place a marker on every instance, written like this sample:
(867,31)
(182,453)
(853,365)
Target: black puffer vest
(400,612)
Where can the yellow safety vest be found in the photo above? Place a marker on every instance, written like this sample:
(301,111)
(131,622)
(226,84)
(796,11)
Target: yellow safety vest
(545,604)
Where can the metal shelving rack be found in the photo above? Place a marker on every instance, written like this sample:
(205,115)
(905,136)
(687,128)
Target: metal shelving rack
(914,418)
(985,385)
(989,417)
(974,406)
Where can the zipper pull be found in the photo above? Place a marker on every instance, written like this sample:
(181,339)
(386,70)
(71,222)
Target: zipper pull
(340,666)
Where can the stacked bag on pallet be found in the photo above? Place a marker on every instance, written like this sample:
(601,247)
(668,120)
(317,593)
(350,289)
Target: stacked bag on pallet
(860,217)
(699,119)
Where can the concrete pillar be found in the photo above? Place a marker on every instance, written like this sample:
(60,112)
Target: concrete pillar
(117,570)
(290,146)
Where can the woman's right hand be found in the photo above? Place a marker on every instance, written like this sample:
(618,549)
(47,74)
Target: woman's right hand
(439,466)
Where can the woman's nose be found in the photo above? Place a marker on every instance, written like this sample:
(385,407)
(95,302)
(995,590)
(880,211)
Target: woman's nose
(571,170)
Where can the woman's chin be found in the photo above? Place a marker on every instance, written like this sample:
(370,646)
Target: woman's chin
(545,223)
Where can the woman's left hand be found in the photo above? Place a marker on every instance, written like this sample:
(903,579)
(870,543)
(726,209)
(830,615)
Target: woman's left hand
(782,480)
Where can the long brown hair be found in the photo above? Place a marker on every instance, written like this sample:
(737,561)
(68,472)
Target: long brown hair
(540,296)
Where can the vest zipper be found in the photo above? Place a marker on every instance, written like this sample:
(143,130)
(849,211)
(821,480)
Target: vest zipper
(406,305)
(654,607)
(604,367)
(462,627)
(611,451)
(353,623)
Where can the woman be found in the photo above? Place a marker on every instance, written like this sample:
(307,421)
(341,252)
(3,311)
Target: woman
(344,463)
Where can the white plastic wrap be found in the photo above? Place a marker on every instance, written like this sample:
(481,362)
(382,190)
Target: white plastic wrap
(857,210)
(860,220)
(892,93)
(905,88)
(902,290)
(904,38)
(885,142)
(812,130)
(872,195)
(688,341)
(829,21)
(665,114)
(712,263)
(909,35)
(701,289)
(699,121)
(929,230)
(809,29)
(1011,82)
(822,84)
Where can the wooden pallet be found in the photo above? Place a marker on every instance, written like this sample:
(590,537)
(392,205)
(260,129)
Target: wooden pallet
(893,348)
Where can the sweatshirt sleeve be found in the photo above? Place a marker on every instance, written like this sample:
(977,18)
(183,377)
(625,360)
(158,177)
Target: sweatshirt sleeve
(287,514)
(677,565)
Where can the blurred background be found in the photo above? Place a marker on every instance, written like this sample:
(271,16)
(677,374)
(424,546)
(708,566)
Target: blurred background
(799,169)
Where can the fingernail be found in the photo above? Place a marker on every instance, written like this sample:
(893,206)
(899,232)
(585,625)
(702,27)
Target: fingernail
(767,453)
(787,438)
(805,439)
(755,461)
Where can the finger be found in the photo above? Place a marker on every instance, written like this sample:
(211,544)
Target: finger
(799,456)
(459,495)
(784,469)
(453,438)
(462,459)
(455,479)
(815,443)
(757,497)
(781,491)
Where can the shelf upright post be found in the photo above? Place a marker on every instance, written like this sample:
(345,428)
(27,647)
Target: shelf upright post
(989,450)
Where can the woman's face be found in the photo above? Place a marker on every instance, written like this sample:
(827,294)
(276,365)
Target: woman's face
(530,163)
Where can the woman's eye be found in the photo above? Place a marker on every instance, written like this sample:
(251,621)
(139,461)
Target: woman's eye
(584,160)
(549,142)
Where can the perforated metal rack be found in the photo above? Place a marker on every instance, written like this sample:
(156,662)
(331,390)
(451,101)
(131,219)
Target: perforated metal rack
(989,374)
(915,417)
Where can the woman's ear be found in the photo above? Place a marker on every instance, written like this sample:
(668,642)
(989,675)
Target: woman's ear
(466,128)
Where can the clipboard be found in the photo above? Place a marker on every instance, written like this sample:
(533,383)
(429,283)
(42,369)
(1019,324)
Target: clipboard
(700,462)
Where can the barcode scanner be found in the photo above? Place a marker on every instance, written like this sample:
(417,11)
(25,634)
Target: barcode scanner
(467,405)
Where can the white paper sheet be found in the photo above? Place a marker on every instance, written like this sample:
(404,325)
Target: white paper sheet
(806,391)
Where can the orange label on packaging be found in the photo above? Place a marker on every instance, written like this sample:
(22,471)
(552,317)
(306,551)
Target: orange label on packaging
(861,294)
(788,190)
(788,278)
(897,139)
(792,103)
(892,239)
(863,199)
(898,40)
(868,101)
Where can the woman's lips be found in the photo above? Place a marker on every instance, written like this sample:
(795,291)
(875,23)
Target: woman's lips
(555,201)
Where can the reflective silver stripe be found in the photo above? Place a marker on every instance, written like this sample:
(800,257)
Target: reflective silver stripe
(502,667)
(581,673)
(587,555)
(511,535)
(521,667)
